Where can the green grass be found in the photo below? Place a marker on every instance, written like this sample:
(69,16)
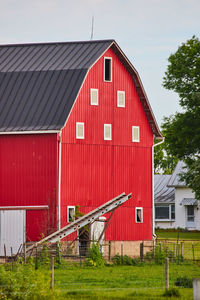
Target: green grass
(144,281)
(182,235)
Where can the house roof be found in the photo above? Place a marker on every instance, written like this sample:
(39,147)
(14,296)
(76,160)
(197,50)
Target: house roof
(174,180)
(163,193)
(39,83)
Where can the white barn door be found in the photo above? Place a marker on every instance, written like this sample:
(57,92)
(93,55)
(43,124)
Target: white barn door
(12,230)
(95,231)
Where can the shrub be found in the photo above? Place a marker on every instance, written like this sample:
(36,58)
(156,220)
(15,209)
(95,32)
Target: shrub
(94,257)
(172,292)
(184,282)
(125,260)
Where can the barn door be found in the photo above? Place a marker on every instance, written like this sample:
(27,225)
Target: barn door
(95,231)
(12,230)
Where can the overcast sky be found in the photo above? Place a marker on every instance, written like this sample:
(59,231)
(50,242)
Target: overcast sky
(148,31)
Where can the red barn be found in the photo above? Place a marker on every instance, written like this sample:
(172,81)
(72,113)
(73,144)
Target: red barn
(76,128)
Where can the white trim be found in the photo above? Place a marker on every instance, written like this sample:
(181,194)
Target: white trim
(59,181)
(111,66)
(110,127)
(134,140)
(80,137)
(30,132)
(68,207)
(25,207)
(91,102)
(122,93)
(137,208)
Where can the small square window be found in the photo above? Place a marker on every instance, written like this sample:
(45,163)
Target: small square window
(70,214)
(135,133)
(108,132)
(80,134)
(138,215)
(94,97)
(120,99)
(107,69)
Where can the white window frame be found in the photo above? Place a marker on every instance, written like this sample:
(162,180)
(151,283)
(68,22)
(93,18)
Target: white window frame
(170,213)
(68,208)
(91,102)
(78,136)
(139,208)
(110,126)
(110,58)
(118,93)
(134,140)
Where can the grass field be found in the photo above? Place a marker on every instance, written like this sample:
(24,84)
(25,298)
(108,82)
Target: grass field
(181,235)
(121,282)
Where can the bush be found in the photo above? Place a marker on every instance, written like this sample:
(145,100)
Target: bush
(184,282)
(24,282)
(125,260)
(172,292)
(94,257)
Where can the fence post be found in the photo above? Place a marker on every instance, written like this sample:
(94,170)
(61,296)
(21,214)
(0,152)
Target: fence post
(24,252)
(196,288)
(52,273)
(109,250)
(5,250)
(166,273)
(193,252)
(141,251)
(122,251)
(182,250)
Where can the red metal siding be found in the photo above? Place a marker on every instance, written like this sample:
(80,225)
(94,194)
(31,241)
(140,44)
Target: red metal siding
(95,170)
(28,176)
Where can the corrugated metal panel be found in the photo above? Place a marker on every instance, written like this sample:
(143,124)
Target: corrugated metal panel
(40,82)
(189,201)
(28,176)
(163,193)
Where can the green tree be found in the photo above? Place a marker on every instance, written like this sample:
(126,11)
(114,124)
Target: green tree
(182,130)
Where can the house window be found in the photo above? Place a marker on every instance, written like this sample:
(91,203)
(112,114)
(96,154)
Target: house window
(165,212)
(120,99)
(107,69)
(190,213)
(107,132)
(94,97)
(80,130)
(70,213)
(139,215)
(135,133)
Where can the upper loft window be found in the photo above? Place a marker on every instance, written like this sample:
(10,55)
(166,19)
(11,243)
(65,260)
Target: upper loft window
(94,97)
(139,215)
(70,214)
(107,132)
(135,134)
(107,69)
(120,99)
(80,134)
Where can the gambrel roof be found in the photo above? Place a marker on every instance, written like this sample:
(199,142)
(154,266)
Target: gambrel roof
(39,83)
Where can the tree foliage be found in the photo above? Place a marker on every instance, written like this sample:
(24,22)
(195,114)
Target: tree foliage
(182,130)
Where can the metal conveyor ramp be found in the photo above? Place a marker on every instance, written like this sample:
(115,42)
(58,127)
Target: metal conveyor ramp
(82,221)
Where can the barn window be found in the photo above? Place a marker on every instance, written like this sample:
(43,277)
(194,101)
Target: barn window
(139,215)
(107,69)
(120,99)
(80,130)
(94,97)
(108,132)
(70,213)
(135,133)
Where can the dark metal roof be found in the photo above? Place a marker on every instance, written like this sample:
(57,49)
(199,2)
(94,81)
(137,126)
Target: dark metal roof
(175,178)
(163,193)
(189,201)
(40,82)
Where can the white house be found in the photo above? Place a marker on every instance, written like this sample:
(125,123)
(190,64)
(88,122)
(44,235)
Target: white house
(175,203)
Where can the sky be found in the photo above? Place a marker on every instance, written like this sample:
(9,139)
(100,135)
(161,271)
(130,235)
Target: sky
(147,31)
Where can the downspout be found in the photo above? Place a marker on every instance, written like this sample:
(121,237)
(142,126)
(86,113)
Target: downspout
(153,208)
(59,181)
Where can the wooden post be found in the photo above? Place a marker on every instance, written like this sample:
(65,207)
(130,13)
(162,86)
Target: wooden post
(182,250)
(193,252)
(52,273)
(24,252)
(166,273)
(122,252)
(5,250)
(109,250)
(196,288)
(141,251)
